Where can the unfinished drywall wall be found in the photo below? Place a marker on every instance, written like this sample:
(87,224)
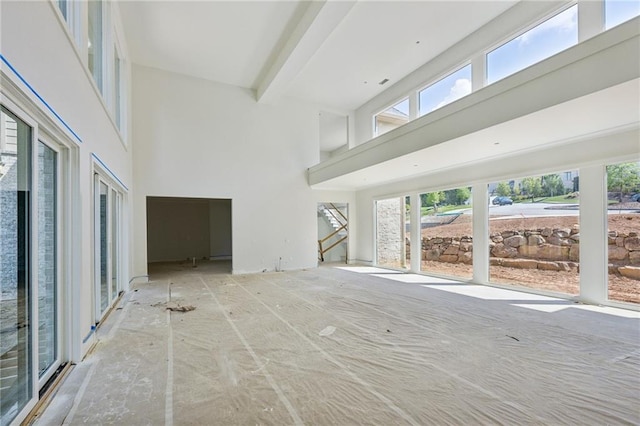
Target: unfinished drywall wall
(177,229)
(44,58)
(197,138)
(220,229)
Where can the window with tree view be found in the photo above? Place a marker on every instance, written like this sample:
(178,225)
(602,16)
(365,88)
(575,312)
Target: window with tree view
(623,231)
(534,232)
(447,232)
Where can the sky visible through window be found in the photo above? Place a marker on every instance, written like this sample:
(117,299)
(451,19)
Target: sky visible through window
(546,39)
(618,11)
(452,87)
(402,106)
(550,37)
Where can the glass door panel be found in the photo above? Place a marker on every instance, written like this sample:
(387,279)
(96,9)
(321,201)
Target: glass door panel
(47,270)
(103,247)
(115,206)
(15,255)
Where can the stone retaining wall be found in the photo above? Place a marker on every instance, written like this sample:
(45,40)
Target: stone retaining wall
(546,248)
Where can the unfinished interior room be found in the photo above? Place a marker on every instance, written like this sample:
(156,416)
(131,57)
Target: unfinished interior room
(319,212)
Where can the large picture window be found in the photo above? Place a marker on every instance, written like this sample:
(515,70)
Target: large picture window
(546,39)
(95,42)
(452,87)
(392,118)
(623,231)
(618,11)
(117,88)
(534,232)
(446,224)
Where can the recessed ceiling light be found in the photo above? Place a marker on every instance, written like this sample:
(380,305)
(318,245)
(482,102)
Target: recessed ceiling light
(415,165)
(365,82)
(418,42)
(496,143)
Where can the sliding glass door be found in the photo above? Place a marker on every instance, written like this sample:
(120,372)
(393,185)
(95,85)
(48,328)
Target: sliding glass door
(29,283)
(16,350)
(47,255)
(115,249)
(107,231)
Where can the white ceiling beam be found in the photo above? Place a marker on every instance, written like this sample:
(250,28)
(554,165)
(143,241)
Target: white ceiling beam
(318,21)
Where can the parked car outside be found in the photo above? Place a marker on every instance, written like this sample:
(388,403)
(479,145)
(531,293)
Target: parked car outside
(636,197)
(501,201)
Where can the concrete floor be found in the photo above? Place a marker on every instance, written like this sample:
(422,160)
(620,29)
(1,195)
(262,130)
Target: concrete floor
(351,346)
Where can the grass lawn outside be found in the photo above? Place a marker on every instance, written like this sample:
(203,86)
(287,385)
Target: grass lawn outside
(429,211)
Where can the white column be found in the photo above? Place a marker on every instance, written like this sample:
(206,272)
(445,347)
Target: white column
(416,237)
(590,19)
(593,235)
(478,72)
(403,231)
(480,233)
(413,105)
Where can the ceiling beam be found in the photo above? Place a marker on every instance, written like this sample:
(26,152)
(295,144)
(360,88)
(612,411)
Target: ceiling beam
(318,21)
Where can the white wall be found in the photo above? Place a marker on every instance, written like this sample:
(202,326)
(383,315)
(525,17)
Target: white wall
(196,138)
(35,41)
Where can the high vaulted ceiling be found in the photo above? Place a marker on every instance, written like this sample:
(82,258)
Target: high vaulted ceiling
(332,53)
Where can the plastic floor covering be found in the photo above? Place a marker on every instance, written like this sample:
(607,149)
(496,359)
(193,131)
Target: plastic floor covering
(352,345)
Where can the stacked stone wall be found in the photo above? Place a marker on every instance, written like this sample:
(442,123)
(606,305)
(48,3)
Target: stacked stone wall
(554,249)
(390,235)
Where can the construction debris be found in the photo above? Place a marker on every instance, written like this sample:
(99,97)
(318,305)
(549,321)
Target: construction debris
(176,307)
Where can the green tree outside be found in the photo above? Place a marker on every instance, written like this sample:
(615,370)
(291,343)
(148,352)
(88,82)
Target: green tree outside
(532,187)
(552,185)
(503,189)
(462,195)
(432,199)
(623,178)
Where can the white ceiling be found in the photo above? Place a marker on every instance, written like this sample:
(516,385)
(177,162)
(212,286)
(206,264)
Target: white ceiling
(378,40)
(343,45)
(225,41)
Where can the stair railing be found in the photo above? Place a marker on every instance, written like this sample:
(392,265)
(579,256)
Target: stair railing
(343,226)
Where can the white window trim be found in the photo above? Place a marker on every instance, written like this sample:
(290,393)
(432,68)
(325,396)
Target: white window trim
(45,130)
(528,28)
(522,30)
(439,79)
(79,39)
(400,100)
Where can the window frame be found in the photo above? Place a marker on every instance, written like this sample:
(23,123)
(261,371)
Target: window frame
(606,27)
(48,141)
(102,175)
(43,132)
(438,79)
(523,30)
(399,101)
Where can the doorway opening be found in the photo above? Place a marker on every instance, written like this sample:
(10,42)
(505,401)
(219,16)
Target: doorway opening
(333,232)
(189,231)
